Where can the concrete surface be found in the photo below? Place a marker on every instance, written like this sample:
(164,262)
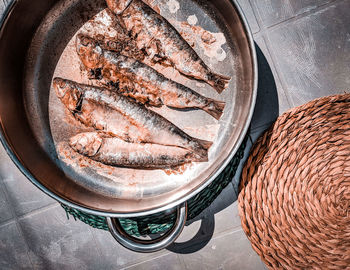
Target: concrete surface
(304,52)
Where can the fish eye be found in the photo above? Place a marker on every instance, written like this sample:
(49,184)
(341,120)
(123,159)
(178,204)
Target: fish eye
(61,83)
(100,37)
(85,41)
(112,44)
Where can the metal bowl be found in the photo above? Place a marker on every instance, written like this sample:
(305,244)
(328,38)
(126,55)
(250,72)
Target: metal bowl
(33,36)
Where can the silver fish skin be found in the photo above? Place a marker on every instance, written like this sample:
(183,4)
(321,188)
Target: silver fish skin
(140,81)
(113,151)
(120,116)
(162,43)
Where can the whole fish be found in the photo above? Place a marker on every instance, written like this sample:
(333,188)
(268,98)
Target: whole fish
(141,82)
(119,116)
(162,43)
(113,151)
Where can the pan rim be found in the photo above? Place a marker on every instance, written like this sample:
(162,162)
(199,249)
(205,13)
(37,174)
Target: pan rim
(176,202)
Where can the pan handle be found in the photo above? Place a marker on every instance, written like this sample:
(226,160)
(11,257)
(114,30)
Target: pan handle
(153,245)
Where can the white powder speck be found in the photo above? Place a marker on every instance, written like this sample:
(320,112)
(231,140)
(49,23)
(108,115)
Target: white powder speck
(200,85)
(211,43)
(221,54)
(215,49)
(192,20)
(173,6)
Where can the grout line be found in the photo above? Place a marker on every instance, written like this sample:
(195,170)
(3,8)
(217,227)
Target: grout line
(97,244)
(256,17)
(182,262)
(276,67)
(18,226)
(7,222)
(247,17)
(230,231)
(275,70)
(256,36)
(216,236)
(279,76)
(303,14)
(38,210)
(7,202)
(148,259)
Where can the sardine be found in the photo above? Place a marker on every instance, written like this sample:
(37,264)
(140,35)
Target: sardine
(141,82)
(113,151)
(162,43)
(120,116)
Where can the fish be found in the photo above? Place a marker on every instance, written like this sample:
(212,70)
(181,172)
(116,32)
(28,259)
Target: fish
(122,42)
(162,43)
(122,117)
(113,151)
(141,82)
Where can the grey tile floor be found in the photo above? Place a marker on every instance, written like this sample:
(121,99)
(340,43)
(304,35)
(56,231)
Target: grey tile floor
(303,51)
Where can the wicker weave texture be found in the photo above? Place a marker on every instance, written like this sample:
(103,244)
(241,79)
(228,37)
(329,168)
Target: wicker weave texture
(294,201)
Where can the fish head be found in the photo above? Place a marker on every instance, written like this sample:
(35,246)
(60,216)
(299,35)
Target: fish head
(118,6)
(87,144)
(89,51)
(68,93)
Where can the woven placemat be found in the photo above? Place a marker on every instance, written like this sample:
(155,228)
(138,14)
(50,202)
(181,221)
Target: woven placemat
(294,201)
(161,222)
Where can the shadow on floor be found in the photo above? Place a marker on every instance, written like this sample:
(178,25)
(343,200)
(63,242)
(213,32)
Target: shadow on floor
(267,105)
(266,111)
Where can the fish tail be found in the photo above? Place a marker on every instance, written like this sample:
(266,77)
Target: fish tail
(219,82)
(205,144)
(215,108)
(202,151)
(199,157)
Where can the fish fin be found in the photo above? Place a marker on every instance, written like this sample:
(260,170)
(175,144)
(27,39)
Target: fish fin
(219,82)
(202,152)
(205,144)
(199,158)
(215,108)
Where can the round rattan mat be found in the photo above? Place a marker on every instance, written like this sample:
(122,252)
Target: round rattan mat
(294,197)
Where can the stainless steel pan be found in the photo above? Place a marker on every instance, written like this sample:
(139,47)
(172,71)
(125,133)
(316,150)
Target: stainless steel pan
(33,36)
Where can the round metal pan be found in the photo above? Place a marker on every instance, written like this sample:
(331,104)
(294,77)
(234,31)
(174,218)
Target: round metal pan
(34,35)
